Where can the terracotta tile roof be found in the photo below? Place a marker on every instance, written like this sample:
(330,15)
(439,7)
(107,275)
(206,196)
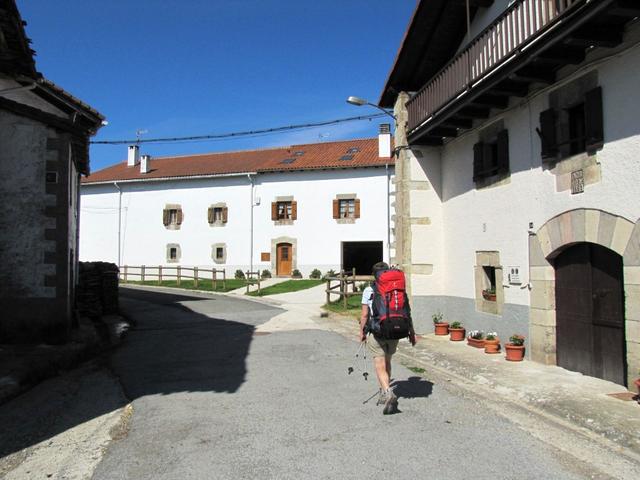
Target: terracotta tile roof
(315,156)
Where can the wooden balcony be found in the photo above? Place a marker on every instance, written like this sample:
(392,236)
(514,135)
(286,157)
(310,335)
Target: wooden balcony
(524,45)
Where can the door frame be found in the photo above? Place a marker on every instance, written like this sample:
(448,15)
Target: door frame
(274,253)
(575,226)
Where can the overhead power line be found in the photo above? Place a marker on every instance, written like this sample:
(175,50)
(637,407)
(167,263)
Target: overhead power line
(238,134)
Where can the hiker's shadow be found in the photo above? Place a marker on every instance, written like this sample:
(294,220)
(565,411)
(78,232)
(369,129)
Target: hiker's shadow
(413,387)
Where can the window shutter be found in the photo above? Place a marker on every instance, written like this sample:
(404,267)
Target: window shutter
(210,215)
(503,152)
(225,214)
(357,208)
(478,165)
(179,216)
(294,210)
(547,134)
(274,210)
(165,217)
(593,119)
(336,209)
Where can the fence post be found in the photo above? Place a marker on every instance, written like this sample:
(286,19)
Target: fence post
(195,276)
(142,274)
(343,289)
(126,267)
(224,279)
(214,278)
(258,275)
(159,274)
(178,275)
(328,291)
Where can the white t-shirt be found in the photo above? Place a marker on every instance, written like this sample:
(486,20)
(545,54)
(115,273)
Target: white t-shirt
(367,297)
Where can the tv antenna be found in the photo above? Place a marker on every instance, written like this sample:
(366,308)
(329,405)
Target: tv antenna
(139,134)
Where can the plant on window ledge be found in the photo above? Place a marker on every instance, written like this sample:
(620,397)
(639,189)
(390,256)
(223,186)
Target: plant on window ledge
(489,294)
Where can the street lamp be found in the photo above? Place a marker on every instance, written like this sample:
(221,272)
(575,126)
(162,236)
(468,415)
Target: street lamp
(358,102)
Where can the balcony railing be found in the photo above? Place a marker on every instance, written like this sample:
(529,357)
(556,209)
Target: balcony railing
(518,26)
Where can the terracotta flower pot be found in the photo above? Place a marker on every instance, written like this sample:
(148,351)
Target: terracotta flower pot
(475,342)
(456,334)
(441,328)
(492,346)
(515,353)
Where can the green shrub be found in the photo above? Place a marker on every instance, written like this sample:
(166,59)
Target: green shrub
(239,274)
(265,273)
(315,273)
(330,273)
(296,273)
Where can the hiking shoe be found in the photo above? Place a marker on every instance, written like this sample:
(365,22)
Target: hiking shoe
(391,403)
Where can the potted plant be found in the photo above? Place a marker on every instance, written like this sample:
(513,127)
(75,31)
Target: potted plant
(475,338)
(489,294)
(441,327)
(515,348)
(456,332)
(491,343)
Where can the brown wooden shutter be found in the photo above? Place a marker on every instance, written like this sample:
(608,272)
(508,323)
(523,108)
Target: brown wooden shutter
(503,152)
(274,210)
(594,129)
(210,215)
(165,217)
(336,209)
(357,208)
(547,133)
(478,165)
(179,216)
(294,210)
(225,214)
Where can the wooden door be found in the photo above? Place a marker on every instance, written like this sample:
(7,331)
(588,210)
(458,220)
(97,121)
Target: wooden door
(590,312)
(284,254)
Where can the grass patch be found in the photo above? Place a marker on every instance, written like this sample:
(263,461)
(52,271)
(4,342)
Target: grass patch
(203,284)
(286,287)
(354,306)
(415,369)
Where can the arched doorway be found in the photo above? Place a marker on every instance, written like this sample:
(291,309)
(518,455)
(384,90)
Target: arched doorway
(284,258)
(590,329)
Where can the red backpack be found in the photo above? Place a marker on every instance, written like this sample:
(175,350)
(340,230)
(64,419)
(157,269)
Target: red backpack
(390,315)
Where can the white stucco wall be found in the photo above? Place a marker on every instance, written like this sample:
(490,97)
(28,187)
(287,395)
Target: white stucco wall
(318,235)
(497,218)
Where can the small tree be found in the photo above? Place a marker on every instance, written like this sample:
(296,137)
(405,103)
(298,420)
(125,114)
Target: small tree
(239,274)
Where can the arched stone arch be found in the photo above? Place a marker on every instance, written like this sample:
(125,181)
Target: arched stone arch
(569,228)
(294,251)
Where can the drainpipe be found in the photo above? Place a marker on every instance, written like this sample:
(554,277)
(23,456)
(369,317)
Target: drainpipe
(386,167)
(251,221)
(115,184)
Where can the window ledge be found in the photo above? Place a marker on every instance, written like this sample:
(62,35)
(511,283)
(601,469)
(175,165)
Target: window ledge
(219,223)
(172,227)
(282,222)
(345,221)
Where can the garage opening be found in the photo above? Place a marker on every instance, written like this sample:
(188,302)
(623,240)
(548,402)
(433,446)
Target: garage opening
(361,256)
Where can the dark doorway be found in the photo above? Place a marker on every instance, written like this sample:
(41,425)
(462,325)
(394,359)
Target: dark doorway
(590,312)
(361,256)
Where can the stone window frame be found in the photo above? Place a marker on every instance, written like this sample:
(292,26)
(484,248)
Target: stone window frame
(488,259)
(336,208)
(169,223)
(224,214)
(178,253)
(214,257)
(274,210)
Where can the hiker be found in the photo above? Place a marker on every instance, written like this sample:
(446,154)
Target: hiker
(384,339)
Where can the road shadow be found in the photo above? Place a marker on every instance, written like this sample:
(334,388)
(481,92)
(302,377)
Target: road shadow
(179,343)
(413,387)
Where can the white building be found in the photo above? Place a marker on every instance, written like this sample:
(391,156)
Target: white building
(517,198)
(323,206)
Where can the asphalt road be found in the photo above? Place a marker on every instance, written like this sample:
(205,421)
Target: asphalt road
(213,400)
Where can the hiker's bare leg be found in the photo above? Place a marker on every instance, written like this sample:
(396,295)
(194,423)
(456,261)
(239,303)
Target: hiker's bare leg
(387,360)
(380,364)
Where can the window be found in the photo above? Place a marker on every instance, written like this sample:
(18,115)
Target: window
(172,217)
(284,252)
(572,127)
(173,253)
(219,252)
(217,214)
(488,282)
(489,290)
(284,211)
(346,207)
(491,157)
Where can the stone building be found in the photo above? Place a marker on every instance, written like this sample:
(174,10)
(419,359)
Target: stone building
(44,134)
(517,201)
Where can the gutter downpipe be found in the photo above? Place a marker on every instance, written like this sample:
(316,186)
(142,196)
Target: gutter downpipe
(251,235)
(386,167)
(115,184)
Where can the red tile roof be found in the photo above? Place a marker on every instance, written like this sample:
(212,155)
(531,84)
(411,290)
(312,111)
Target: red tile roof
(315,156)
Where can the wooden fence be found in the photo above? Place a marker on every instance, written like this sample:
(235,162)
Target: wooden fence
(342,283)
(159,273)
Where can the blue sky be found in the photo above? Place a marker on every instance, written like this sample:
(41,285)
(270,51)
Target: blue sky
(193,67)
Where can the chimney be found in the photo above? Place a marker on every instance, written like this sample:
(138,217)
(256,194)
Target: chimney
(145,164)
(384,141)
(133,158)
